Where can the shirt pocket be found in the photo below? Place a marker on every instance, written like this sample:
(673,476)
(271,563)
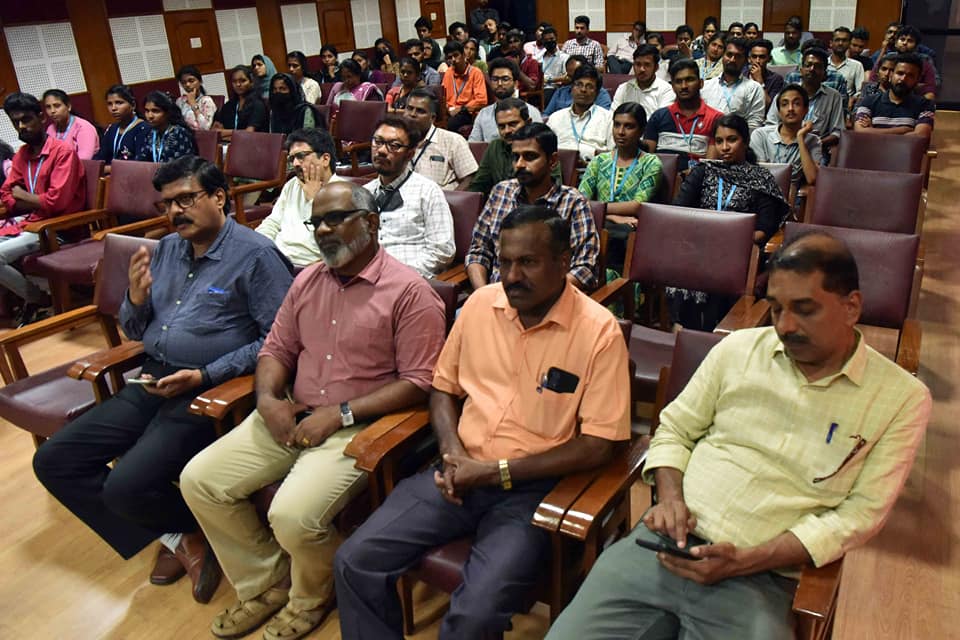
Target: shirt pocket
(837,465)
(370,346)
(214,310)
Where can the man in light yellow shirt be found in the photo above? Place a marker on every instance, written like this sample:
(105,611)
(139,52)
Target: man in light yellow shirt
(789,446)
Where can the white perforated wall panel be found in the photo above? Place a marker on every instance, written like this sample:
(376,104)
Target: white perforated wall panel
(665,15)
(182,5)
(7,133)
(141,46)
(825,15)
(366,22)
(239,35)
(741,11)
(45,56)
(215,84)
(596,10)
(455,10)
(300,28)
(407,13)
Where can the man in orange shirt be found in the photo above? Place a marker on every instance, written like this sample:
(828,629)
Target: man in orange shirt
(464,85)
(531,385)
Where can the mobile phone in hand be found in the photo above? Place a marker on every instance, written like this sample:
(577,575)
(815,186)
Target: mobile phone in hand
(666,544)
(144,381)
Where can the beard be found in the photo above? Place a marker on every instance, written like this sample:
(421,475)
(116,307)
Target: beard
(901,90)
(337,254)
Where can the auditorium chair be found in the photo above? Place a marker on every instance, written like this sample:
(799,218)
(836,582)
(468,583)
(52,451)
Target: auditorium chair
(255,162)
(322,118)
(862,199)
(353,129)
(42,403)
(782,173)
(782,69)
(568,167)
(693,249)
(669,171)
(208,145)
(904,154)
(478,149)
(613,80)
(532,96)
(465,206)
(815,600)
(598,210)
(94,191)
(130,196)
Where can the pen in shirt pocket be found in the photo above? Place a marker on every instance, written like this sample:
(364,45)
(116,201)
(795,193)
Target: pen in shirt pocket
(216,290)
(833,428)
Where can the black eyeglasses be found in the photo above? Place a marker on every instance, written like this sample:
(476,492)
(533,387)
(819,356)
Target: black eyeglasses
(303,155)
(393,146)
(184,200)
(333,219)
(860,444)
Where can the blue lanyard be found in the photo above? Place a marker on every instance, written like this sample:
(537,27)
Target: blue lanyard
(626,174)
(578,135)
(33,178)
(723,204)
(728,93)
(158,152)
(687,136)
(119,137)
(810,110)
(704,71)
(63,136)
(548,66)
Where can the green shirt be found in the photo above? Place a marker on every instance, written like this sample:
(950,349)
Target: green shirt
(497,166)
(639,185)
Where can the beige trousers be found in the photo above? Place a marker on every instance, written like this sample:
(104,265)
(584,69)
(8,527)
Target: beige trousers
(317,483)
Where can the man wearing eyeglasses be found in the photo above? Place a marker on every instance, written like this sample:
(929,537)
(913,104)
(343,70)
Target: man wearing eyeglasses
(202,306)
(416,226)
(788,447)
(310,152)
(504,76)
(442,156)
(357,337)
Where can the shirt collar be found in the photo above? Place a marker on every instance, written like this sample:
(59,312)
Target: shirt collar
(561,313)
(674,109)
(400,178)
(44,151)
(371,272)
(853,369)
(215,252)
(585,114)
(550,197)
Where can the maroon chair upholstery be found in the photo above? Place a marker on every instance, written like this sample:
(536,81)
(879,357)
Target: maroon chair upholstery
(903,154)
(568,166)
(44,402)
(361,180)
(321,116)
(478,149)
(782,173)
(219,100)
(208,145)
(670,167)
(93,172)
(852,198)
(599,212)
(325,88)
(256,156)
(465,207)
(354,127)
(613,80)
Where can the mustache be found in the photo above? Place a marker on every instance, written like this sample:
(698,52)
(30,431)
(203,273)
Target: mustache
(517,286)
(181,219)
(795,339)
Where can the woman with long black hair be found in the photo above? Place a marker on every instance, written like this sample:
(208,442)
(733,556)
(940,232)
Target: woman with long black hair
(245,109)
(169,137)
(288,108)
(197,107)
(127,134)
(68,126)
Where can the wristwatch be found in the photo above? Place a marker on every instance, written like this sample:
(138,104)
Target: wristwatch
(346,415)
(505,482)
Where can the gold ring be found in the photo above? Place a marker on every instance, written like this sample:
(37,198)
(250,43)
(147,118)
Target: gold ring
(305,442)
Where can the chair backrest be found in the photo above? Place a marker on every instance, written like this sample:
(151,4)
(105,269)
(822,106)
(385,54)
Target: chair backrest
(382,87)
(782,69)
(599,212)
(478,149)
(112,271)
(130,190)
(568,166)
(670,165)
(448,293)
(218,100)
(92,172)
(782,173)
(325,88)
(694,249)
(208,145)
(850,198)
(689,350)
(886,263)
(858,150)
(466,207)
(358,120)
(257,155)
(613,80)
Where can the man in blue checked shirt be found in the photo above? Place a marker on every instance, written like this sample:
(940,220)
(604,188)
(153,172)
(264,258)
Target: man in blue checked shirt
(202,306)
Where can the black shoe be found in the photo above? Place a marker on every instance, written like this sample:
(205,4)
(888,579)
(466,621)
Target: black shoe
(29,313)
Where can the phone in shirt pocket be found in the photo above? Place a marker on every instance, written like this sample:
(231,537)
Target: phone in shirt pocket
(558,381)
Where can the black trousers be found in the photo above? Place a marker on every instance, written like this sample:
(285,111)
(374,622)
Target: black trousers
(131,504)
(460,119)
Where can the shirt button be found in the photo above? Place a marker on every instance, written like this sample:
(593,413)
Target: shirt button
(334,322)
(164,327)
(189,275)
(178,302)
(329,357)
(323,392)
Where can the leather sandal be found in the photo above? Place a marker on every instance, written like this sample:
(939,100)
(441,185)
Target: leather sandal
(290,624)
(247,615)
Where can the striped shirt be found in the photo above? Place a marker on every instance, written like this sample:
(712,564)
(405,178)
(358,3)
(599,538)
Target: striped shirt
(884,113)
(591,50)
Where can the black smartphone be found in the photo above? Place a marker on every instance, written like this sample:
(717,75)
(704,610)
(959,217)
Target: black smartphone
(667,544)
(560,381)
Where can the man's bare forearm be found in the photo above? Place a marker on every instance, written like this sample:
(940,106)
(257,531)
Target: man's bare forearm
(445,411)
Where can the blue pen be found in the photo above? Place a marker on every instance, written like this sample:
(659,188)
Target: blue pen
(215,290)
(833,427)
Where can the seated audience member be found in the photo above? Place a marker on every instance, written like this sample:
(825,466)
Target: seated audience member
(384,58)
(686,126)
(859,38)
(329,67)
(409,78)
(730,92)
(489,39)
(751,31)
(424,27)
(245,110)
(583,126)
(497,163)
(442,156)
(850,70)
(504,75)
(711,25)
(826,104)
(289,109)
(479,17)
(360,57)
(529,75)
(757,70)
(297,68)
(45,179)
(458,31)
(887,46)
(832,79)
(711,64)
(535,47)
(583,45)
(789,53)
(169,137)
(416,226)
(563,97)
(771,489)
(907,40)
(298,436)
(218,286)
(351,87)
(67,126)
(504,440)
(684,38)
(196,106)
(899,110)
(884,75)
(263,69)
(311,153)
(620,56)
(654,39)
(6,160)
(792,141)
(534,149)
(554,64)
(646,89)
(428,75)
(471,49)
(427,44)
(122,138)
(735,30)
(465,87)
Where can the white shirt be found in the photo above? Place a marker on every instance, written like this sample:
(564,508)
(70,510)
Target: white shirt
(485,124)
(590,133)
(311,90)
(745,98)
(285,224)
(419,233)
(553,66)
(657,95)
(852,72)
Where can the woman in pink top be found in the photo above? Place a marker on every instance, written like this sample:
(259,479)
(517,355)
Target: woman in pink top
(197,107)
(67,126)
(351,87)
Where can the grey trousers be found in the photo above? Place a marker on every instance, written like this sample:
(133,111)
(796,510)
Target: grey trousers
(629,594)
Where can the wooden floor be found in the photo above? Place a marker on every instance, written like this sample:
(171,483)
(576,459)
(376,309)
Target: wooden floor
(59,581)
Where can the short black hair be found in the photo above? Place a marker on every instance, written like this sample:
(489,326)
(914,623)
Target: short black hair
(352,66)
(512,103)
(301,58)
(584,20)
(399,122)
(735,24)
(540,132)
(710,20)
(413,42)
(820,54)
(456,25)
(428,95)
(587,71)
(59,94)
(838,266)
(845,30)
(794,21)
(683,63)
(684,28)
(413,62)
(22,102)
(647,51)
(653,35)
(425,22)
(798,89)
(319,140)
(191,70)
(123,91)
(538,213)
(548,29)
(582,59)
(514,34)
(635,110)
(910,58)
(504,63)
(909,30)
(207,174)
(860,33)
(747,26)
(763,42)
(739,43)
(814,43)
(452,46)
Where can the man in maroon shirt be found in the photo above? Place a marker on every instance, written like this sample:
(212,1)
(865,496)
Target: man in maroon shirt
(46,180)
(356,337)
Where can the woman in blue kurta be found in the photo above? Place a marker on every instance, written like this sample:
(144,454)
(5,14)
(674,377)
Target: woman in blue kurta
(169,137)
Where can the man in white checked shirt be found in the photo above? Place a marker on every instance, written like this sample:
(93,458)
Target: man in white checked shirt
(416,226)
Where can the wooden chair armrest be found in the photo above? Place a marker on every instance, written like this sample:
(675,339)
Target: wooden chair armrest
(218,402)
(50,326)
(355,146)
(121,358)
(908,351)
(67,221)
(817,592)
(455,275)
(611,290)
(745,314)
(553,508)
(389,436)
(774,242)
(141,226)
(250,187)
